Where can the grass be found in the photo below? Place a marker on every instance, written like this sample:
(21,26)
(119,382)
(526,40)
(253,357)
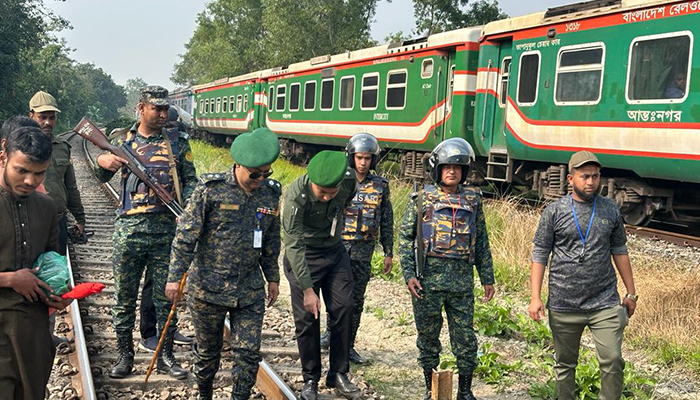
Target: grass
(665,324)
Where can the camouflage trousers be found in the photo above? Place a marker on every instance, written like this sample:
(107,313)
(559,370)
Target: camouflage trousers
(133,253)
(459,307)
(246,333)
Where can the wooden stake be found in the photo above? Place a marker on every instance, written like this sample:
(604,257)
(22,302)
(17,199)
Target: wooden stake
(442,385)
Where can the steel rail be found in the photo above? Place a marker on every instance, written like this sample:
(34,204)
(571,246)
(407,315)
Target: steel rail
(666,236)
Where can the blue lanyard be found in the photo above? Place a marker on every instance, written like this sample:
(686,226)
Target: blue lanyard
(590,222)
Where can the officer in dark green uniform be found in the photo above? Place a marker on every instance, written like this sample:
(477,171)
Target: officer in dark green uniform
(369,214)
(454,240)
(315,260)
(60,183)
(144,228)
(230,236)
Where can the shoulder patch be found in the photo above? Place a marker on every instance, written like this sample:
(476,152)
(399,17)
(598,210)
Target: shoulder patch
(212,177)
(274,185)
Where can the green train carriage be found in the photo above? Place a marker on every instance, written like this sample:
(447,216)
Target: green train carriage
(613,77)
(410,95)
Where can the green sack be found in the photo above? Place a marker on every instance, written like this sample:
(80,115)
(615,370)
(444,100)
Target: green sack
(53,269)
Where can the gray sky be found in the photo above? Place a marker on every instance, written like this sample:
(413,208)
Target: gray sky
(117,35)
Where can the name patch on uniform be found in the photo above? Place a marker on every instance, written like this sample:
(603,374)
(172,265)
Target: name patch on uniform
(233,207)
(268,211)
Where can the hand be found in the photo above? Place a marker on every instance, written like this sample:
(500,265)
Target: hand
(81,228)
(24,282)
(171,291)
(388,264)
(630,304)
(312,303)
(489,292)
(273,290)
(536,310)
(57,302)
(415,288)
(111,162)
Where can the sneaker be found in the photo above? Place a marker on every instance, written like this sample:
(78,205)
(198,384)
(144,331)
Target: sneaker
(182,339)
(148,344)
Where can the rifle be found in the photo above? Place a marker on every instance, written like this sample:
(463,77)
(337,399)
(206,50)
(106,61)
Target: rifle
(91,132)
(420,256)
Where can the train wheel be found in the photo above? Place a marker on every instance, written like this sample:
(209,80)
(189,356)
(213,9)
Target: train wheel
(635,214)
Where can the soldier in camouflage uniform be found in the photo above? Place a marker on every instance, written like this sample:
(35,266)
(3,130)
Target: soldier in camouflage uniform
(454,240)
(144,227)
(230,235)
(369,214)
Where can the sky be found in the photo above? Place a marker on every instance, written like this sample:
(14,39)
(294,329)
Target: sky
(143,38)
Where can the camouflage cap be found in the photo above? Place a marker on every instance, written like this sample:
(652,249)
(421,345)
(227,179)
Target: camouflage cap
(328,168)
(583,157)
(255,149)
(156,95)
(42,101)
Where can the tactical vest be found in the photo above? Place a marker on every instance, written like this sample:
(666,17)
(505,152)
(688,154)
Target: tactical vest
(136,197)
(362,216)
(441,237)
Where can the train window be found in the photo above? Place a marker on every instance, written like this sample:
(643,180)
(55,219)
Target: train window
(658,68)
(218,104)
(347,93)
(231,102)
(206,106)
(327,87)
(579,78)
(294,92)
(426,70)
(224,104)
(271,99)
(309,96)
(528,78)
(239,103)
(450,88)
(281,97)
(245,102)
(396,89)
(505,78)
(201,106)
(370,91)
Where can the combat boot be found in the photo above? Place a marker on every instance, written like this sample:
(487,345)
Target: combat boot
(167,362)
(428,377)
(326,340)
(125,362)
(206,389)
(464,391)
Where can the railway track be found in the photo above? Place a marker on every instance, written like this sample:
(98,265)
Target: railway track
(81,368)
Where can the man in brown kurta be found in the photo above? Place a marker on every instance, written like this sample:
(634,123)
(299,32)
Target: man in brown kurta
(28,229)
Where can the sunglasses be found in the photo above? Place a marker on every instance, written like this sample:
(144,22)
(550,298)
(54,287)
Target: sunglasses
(258,175)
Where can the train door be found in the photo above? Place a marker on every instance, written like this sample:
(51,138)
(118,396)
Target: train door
(433,73)
(499,165)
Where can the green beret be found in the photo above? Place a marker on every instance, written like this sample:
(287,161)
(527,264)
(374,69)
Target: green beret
(255,149)
(327,169)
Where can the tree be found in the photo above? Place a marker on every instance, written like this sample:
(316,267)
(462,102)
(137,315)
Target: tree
(434,16)
(235,37)
(133,94)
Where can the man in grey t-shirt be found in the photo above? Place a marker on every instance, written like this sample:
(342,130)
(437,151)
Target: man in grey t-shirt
(582,231)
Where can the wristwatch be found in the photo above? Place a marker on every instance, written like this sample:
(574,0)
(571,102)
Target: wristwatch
(633,297)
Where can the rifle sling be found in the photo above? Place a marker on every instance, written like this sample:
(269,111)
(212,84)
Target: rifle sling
(173,168)
(419,237)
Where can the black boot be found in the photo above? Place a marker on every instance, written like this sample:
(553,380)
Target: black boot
(166,360)
(428,377)
(125,362)
(206,389)
(465,388)
(326,339)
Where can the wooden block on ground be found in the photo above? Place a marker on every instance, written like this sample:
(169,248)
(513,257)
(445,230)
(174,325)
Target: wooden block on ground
(442,385)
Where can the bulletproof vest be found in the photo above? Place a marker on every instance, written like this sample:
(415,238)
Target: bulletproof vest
(449,222)
(136,197)
(362,216)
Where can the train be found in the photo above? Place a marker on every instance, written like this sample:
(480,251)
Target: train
(610,76)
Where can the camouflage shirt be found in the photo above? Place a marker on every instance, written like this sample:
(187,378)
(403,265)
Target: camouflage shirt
(362,249)
(185,169)
(580,283)
(216,237)
(60,181)
(448,274)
